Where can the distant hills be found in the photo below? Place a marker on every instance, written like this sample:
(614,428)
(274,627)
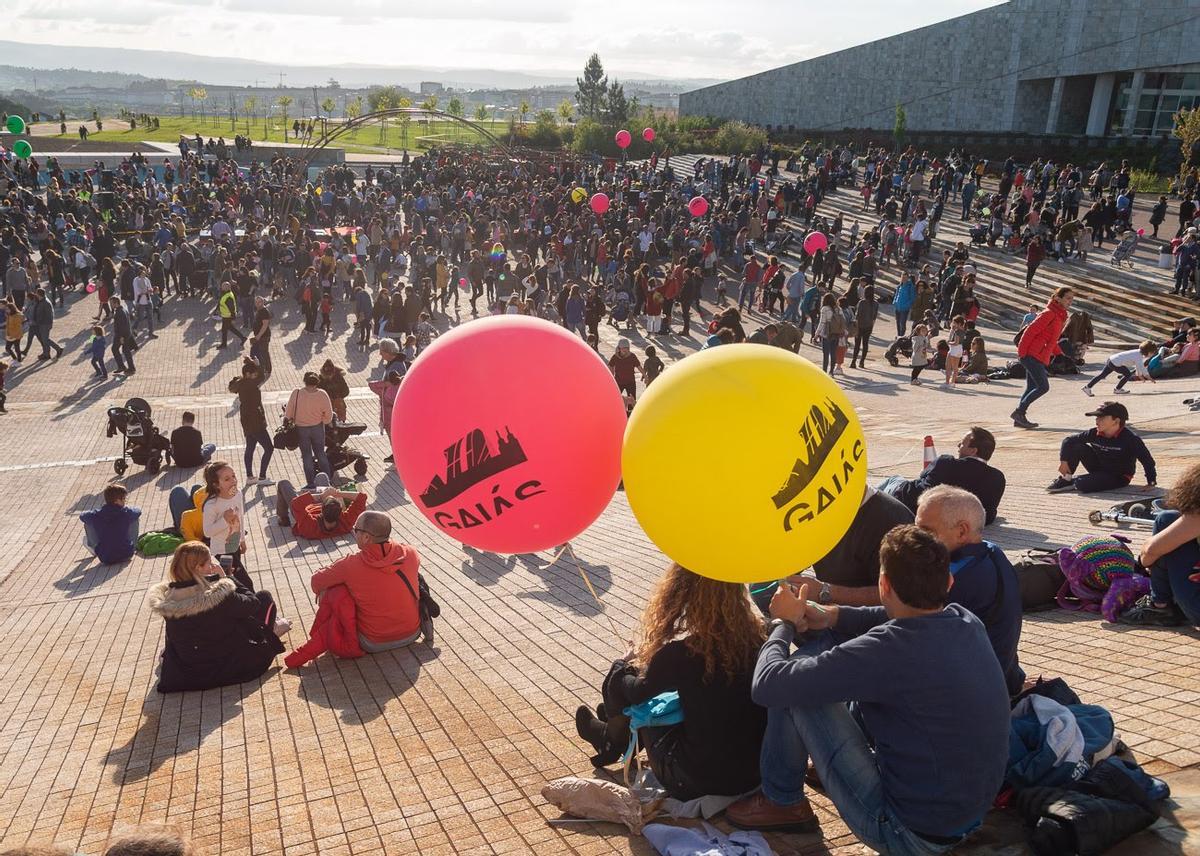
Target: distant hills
(231,71)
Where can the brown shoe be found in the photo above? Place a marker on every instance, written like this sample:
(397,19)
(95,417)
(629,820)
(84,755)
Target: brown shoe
(758,812)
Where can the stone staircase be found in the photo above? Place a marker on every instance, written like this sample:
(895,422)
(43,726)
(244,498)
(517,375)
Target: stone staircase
(1126,305)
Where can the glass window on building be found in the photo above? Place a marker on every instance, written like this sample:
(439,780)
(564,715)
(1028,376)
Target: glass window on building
(1162,95)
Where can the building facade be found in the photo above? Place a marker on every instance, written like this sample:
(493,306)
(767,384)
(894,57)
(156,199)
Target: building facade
(1098,68)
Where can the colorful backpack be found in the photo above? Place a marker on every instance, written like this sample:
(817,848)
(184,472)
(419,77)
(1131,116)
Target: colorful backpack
(1101,576)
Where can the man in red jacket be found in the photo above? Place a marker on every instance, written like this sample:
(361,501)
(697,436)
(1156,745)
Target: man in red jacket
(1038,344)
(316,515)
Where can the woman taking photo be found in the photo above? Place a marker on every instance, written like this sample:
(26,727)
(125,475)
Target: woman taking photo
(700,638)
(218,633)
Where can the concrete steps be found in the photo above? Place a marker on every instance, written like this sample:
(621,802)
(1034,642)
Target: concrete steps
(1126,305)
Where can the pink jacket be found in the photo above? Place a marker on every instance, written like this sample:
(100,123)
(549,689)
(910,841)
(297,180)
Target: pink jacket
(387,399)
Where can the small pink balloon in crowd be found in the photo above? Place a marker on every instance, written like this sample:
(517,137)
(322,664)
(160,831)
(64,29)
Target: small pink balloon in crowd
(623,138)
(815,242)
(698,206)
(91,288)
(599,202)
(513,462)
(1141,232)
(648,135)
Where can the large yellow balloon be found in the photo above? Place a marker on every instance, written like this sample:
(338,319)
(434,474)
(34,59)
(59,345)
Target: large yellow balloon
(578,195)
(744,463)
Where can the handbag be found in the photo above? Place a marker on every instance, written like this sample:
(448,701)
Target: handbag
(287,436)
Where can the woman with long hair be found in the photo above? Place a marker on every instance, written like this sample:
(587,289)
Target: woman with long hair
(700,638)
(218,632)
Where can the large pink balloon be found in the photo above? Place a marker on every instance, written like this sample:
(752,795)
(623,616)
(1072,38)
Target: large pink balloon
(815,242)
(698,206)
(513,458)
(648,135)
(623,138)
(599,202)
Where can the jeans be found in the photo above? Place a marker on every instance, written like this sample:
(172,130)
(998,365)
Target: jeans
(1109,368)
(43,336)
(791,310)
(261,351)
(312,451)
(746,294)
(901,321)
(144,310)
(181,499)
(829,346)
(845,763)
(1169,581)
(122,351)
(258,437)
(1037,383)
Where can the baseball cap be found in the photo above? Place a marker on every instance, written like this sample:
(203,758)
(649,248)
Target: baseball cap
(1111,408)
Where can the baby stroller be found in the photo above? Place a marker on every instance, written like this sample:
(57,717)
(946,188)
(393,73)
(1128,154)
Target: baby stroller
(1123,254)
(979,234)
(142,441)
(621,311)
(339,453)
(779,244)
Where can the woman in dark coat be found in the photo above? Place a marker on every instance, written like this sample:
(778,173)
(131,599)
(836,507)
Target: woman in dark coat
(333,381)
(218,633)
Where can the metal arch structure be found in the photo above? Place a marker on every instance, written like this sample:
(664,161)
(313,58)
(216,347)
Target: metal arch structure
(329,136)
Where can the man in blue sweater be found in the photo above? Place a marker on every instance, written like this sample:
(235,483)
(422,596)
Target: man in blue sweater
(926,763)
(1109,453)
(985,582)
(110,532)
(969,469)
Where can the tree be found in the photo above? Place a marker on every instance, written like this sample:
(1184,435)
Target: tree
(455,107)
(481,113)
(899,128)
(616,106)
(430,103)
(386,100)
(327,104)
(248,107)
(1187,131)
(354,108)
(591,89)
(389,93)
(523,109)
(284,102)
(201,96)
(333,84)
(565,110)
(405,119)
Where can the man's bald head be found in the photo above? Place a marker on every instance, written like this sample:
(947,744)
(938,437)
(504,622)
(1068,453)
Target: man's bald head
(375,525)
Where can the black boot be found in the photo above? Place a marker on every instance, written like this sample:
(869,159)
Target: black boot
(596,733)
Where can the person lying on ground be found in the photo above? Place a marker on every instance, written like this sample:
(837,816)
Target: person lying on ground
(1109,453)
(323,512)
(699,638)
(968,469)
(928,691)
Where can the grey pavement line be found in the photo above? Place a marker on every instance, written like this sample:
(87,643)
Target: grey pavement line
(110,458)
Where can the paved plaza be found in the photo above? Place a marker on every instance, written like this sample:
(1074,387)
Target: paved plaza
(445,749)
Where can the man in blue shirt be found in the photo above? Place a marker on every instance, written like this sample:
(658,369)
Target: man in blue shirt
(985,582)
(1109,453)
(111,531)
(926,763)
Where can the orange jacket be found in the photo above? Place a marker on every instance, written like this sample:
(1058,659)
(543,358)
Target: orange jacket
(387,610)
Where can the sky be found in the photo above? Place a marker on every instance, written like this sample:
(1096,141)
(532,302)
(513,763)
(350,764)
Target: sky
(666,38)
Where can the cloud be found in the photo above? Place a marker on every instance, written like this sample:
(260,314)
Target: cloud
(368,12)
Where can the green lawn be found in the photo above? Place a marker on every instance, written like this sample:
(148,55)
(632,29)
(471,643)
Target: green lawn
(371,138)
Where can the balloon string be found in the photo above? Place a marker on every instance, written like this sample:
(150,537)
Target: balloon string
(567,548)
(767,587)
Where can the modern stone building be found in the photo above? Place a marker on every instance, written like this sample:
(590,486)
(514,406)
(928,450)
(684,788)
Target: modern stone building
(1099,68)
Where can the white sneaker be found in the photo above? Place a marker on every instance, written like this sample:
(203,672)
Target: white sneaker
(282,626)
(265,482)
(251,481)
(1120,391)
(1087,390)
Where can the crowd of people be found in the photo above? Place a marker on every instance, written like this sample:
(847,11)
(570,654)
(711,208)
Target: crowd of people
(914,615)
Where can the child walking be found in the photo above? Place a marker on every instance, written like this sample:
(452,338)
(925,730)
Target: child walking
(96,346)
(326,310)
(920,352)
(13,321)
(653,365)
(955,355)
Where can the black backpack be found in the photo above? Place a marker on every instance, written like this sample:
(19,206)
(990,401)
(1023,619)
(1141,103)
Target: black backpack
(1039,578)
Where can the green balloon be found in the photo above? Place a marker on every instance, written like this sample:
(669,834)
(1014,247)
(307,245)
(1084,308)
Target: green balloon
(16,125)
(22,149)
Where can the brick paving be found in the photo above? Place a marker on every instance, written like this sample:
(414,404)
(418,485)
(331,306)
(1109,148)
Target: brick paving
(442,750)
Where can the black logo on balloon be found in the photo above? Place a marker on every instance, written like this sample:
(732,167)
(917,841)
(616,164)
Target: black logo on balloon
(820,431)
(469,461)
